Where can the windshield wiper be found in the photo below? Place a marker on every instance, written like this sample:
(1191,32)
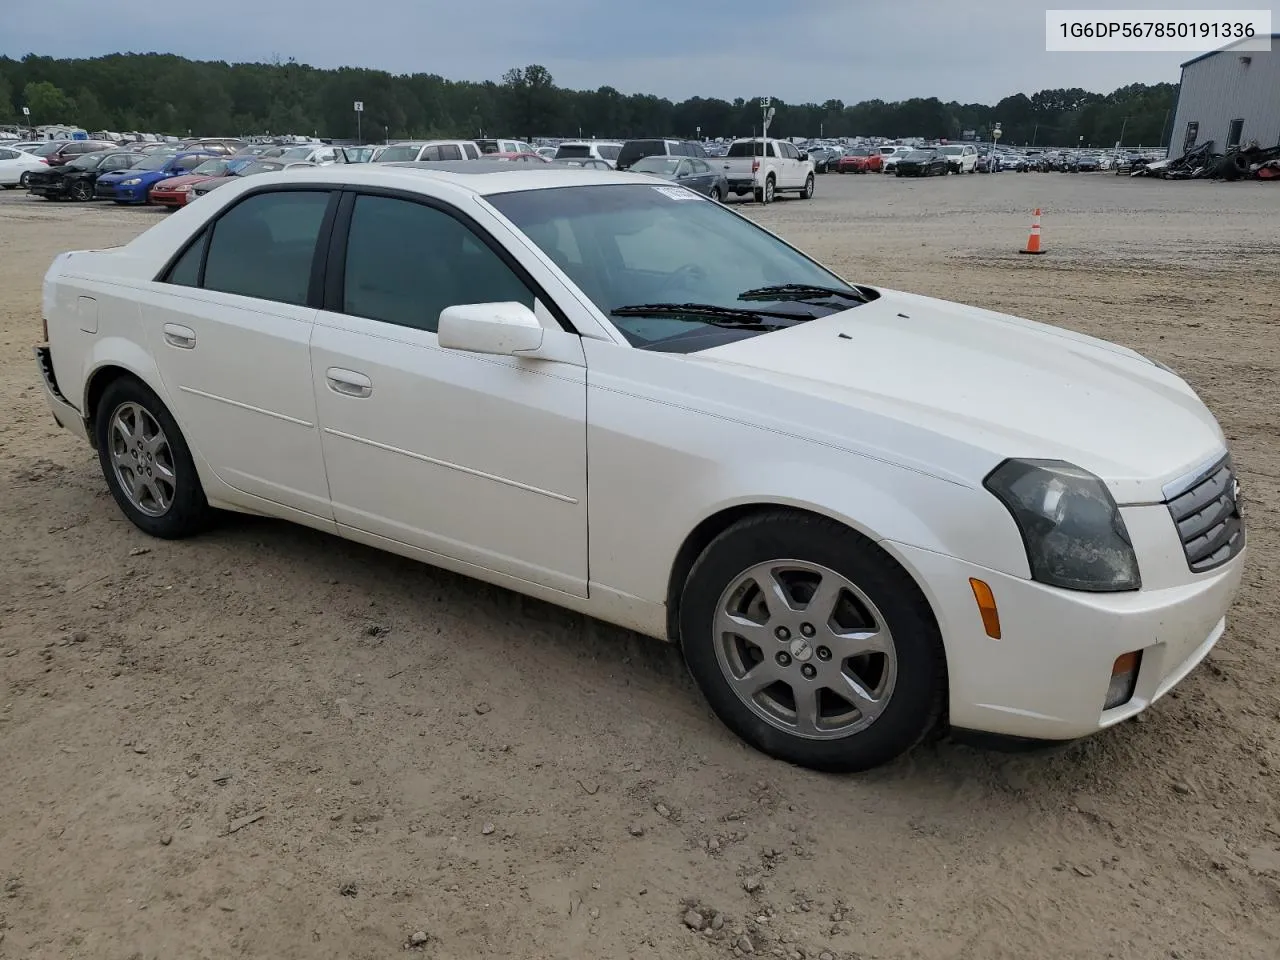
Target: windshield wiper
(706,312)
(801,291)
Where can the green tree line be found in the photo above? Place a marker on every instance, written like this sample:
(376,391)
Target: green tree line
(162,93)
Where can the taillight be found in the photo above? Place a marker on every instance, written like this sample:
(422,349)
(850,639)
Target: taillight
(755,165)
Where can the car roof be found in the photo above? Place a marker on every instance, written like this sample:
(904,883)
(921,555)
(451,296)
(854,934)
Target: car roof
(481,177)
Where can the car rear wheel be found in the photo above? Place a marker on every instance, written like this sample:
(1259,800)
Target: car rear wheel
(81,190)
(715,194)
(24,180)
(147,463)
(811,643)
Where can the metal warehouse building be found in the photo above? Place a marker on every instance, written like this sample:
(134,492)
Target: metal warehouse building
(1229,96)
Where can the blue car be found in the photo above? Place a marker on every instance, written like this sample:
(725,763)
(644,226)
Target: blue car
(133,185)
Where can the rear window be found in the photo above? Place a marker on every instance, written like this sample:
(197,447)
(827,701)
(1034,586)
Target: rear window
(609,151)
(748,148)
(573,151)
(633,150)
(398,154)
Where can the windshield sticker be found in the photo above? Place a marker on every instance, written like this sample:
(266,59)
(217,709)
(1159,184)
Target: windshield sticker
(677,193)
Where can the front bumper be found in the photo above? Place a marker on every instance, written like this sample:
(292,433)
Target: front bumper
(104,191)
(170,198)
(56,188)
(1047,677)
(137,194)
(64,413)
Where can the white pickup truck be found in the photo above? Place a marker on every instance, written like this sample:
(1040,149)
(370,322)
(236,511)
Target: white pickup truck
(767,167)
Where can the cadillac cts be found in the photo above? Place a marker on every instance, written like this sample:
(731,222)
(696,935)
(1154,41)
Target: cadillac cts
(862,514)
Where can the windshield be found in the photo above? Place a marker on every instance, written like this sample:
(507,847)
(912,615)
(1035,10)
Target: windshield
(45,149)
(626,245)
(153,162)
(609,151)
(89,161)
(211,168)
(296,153)
(397,154)
(919,155)
(952,151)
(859,153)
(663,165)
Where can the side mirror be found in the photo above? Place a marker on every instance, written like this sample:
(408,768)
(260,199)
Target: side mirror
(804,156)
(506,328)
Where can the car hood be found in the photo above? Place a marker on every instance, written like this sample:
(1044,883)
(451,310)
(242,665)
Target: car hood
(170,183)
(990,386)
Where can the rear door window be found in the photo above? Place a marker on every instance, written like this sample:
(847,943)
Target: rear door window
(450,151)
(264,246)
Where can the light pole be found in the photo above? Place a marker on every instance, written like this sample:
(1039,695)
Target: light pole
(1122,128)
(359,109)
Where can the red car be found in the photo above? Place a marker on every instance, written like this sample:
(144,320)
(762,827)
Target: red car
(176,191)
(861,161)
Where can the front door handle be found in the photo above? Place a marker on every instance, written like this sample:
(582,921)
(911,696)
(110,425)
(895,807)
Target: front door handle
(348,382)
(179,336)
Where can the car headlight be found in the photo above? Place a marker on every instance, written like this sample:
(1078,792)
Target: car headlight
(182,188)
(1073,531)
(131,182)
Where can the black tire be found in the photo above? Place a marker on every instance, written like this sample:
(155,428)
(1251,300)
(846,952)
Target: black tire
(758,195)
(807,192)
(24,179)
(81,190)
(715,194)
(770,189)
(897,172)
(189,512)
(917,702)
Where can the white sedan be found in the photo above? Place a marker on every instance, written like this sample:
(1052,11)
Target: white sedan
(861,513)
(15,165)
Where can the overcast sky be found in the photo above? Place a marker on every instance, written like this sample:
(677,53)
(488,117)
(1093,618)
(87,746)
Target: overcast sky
(965,50)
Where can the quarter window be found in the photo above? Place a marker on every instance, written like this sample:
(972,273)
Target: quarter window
(186,270)
(407,261)
(263,247)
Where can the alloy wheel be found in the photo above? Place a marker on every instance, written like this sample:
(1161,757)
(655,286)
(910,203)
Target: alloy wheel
(142,459)
(805,649)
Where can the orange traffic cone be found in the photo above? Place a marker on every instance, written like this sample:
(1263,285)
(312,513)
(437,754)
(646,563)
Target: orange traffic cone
(1033,241)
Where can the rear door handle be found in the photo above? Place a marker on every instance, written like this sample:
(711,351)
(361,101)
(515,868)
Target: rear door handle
(179,336)
(348,382)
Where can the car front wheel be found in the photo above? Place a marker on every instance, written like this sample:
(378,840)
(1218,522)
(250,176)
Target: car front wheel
(811,643)
(147,463)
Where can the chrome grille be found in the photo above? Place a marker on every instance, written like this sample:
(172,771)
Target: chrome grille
(1206,511)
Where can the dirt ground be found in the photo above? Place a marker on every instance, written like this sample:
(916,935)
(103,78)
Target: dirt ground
(429,755)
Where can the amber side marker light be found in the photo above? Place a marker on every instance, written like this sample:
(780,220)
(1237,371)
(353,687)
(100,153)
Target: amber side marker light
(987,607)
(1124,679)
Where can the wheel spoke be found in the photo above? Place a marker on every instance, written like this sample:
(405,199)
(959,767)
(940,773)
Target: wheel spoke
(737,625)
(856,643)
(762,675)
(821,607)
(776,595)
(856,693)
(806,695)
(122,428)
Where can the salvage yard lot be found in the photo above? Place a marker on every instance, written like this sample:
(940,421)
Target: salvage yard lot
(430,754)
